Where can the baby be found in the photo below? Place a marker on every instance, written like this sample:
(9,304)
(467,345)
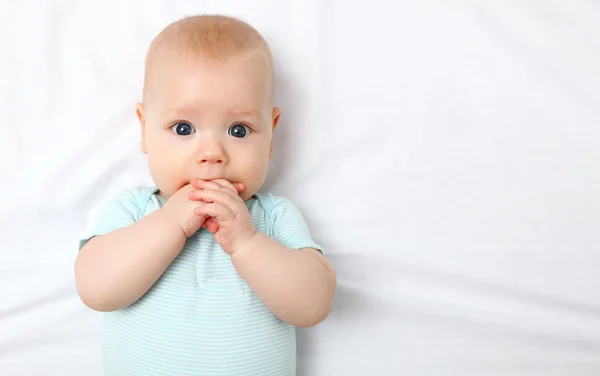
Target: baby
(201,274)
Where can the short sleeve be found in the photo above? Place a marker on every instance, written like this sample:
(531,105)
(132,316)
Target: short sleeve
(290,228)
(121,211)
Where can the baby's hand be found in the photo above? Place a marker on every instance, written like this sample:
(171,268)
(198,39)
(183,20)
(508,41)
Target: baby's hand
(229,219)
(180,209)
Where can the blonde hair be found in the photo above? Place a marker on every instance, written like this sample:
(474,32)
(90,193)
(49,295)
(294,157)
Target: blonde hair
(216,37)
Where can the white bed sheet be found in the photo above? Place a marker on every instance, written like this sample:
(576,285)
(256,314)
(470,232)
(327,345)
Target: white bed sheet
(447,154)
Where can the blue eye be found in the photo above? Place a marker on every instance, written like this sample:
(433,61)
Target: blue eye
(239,131)
(183,129)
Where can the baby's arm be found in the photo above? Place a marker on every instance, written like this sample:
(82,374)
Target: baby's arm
(296,285)
(114,270)
(293,280)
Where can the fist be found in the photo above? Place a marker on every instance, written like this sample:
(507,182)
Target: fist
(180,209)
(227,216)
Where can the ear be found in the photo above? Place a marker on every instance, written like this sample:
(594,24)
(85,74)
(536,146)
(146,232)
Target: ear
(276,115)
(139,111)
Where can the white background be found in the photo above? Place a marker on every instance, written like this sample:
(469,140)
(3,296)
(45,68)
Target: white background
(446,153)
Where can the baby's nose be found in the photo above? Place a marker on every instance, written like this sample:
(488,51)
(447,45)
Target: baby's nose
(211,150)
(211,158)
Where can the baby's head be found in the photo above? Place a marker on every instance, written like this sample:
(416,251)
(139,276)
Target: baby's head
(207,109)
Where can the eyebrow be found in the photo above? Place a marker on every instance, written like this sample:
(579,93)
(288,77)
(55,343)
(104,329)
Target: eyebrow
(188,112)
(253,112)
(175,113)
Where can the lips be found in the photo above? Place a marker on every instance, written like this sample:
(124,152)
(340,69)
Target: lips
(211,178)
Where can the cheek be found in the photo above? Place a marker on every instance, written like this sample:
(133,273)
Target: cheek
(254,154)
(252,163)
(161,170)
(164,162)
(164,145)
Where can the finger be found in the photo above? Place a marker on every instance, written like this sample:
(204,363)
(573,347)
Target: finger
(202,185)
(217,183)
(199,183)
(211,225)
(225,184)
(211,195)
(235,187)
(217,211)
(214,184)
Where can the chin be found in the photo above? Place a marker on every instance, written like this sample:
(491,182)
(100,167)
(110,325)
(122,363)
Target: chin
(245,196)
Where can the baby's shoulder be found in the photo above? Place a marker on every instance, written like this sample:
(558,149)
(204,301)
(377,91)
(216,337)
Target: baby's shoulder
(273,204)
(269,201)
(136,198)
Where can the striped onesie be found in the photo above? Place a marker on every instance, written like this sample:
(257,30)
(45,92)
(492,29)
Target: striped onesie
(200,317)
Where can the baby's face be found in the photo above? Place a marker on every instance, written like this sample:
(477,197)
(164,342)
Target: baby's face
(208,120)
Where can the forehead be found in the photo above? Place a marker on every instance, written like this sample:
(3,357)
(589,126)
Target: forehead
(237,84)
